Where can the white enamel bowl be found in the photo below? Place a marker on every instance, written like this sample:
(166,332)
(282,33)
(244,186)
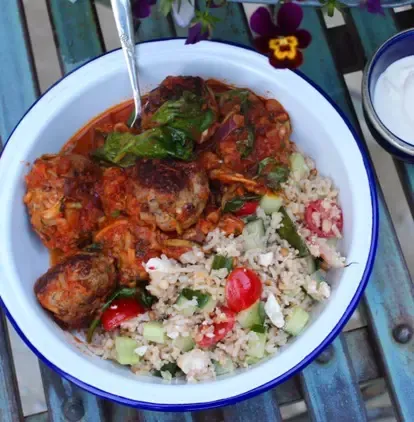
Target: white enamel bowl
(319,129)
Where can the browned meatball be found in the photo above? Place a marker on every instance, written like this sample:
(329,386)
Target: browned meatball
(76,288)
(166,193)
(173,88)
(63,206)
(131,245)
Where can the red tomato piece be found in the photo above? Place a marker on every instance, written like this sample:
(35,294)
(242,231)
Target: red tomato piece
(220,329)
(321,219)
(243,288)
(247,208)
(120,310)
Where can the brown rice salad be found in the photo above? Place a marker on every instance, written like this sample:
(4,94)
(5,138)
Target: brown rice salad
(288,252)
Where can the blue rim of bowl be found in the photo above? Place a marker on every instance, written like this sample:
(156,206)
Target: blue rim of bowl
(183,407)
(387,134)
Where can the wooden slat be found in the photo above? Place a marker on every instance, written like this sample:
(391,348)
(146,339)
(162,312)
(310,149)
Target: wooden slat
(390,298)
(76,31)
(155,27)
(10,405)
(331,389)
(18,90)
(38,417)
(260,408)
(18,84)
(60,394)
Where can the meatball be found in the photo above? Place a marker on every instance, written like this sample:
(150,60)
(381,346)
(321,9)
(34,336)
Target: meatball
(63,206)
(166,193)
(113,191)
(76,288)
(131,245)
(173,88)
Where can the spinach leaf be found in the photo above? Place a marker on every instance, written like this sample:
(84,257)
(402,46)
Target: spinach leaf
(187,114)
(123,149)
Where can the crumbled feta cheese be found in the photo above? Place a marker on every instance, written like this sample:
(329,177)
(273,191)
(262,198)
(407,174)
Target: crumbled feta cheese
(276,220)
(196,361)
(266,259)
(140,351)
(274,312)
(318,290)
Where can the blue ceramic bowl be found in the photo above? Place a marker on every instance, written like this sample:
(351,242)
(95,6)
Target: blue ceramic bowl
(399,46)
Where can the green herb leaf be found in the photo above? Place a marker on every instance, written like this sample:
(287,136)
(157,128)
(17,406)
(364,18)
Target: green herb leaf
(221,261)
(288,232)
(245,147)
(202,298)
(257,328)
(115,213)
(165,6)
(123,292)
(277,176)
(93,247)
(264,163)
(145,298)
(236,203)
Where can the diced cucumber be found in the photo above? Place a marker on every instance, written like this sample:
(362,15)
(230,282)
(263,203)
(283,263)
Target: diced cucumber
(221,261)
(185,306)
(185,344)
(300,169)
(251,316)
(271,203)
(296,321)
(319,276)
(288,232)
(225,368)
(253,235)
(210,305)
(154,331)
(256,346)
(332,242)
(310,262)
(251,360)
(124,347)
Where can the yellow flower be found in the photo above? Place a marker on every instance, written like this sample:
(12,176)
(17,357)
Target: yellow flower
(284,47)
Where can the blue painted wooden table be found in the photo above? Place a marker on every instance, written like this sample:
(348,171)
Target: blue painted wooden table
(332,386)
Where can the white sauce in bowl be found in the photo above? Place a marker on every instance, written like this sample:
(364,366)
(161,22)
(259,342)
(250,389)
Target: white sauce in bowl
(394,98)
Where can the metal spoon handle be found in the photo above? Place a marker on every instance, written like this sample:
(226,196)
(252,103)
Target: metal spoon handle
(123,19)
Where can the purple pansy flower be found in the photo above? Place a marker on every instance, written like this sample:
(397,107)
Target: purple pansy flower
(142,8)
(196,33)
(373,6)
(201,27)
(282,43)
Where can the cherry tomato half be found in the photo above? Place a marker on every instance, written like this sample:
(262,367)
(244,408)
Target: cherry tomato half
(247,208)
(220,329)
(321,220)
(120,310)
(243,288)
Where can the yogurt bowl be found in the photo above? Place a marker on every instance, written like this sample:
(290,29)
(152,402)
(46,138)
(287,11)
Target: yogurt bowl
(388,95)
(319,129)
